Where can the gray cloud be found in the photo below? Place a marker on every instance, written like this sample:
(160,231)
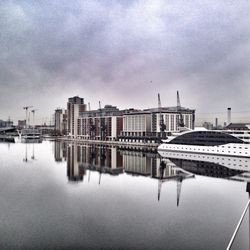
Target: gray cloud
(112,50)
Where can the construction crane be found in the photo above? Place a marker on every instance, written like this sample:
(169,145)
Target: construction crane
(33,112)
(26,110)
(181,122)
(162,125)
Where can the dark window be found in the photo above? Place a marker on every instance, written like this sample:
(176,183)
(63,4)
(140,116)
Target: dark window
(205,138)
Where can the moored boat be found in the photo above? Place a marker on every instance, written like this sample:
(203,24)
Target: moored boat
(206,142)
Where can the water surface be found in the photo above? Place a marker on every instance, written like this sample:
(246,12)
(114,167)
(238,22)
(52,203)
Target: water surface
(56,195)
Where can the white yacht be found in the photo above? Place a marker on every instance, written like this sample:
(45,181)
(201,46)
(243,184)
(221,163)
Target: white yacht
(206,142)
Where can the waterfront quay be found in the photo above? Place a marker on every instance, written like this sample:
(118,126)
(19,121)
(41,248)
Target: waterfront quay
(142,146)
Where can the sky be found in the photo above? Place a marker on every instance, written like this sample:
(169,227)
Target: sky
(123,53)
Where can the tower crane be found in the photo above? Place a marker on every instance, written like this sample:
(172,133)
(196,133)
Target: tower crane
(162,125)
(181,122)
(26,110)
(33,112)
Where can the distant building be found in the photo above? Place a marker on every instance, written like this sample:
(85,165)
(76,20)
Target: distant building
(239,130)
(61,120)
(21,124)
(75,106)
(216,123)
(238,126)
(208,125)
(4,124)
(46,129)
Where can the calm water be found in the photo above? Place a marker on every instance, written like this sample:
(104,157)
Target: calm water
(64,196)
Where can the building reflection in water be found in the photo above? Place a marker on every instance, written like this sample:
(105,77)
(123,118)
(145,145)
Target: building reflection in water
(60,151)
(82,159)
(102,159)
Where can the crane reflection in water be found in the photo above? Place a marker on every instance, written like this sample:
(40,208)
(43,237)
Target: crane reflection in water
(82,159)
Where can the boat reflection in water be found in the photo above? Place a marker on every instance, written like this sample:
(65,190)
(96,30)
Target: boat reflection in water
(236,168)
(82,159)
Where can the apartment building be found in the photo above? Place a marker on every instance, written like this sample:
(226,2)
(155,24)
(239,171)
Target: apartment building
(75,106)
(102,124)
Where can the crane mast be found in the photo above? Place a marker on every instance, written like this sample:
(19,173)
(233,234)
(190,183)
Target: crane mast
(33,112)
(181,122)
(26,112)
(162,125)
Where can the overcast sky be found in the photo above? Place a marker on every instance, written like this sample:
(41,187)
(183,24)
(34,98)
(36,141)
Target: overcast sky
(123,53)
